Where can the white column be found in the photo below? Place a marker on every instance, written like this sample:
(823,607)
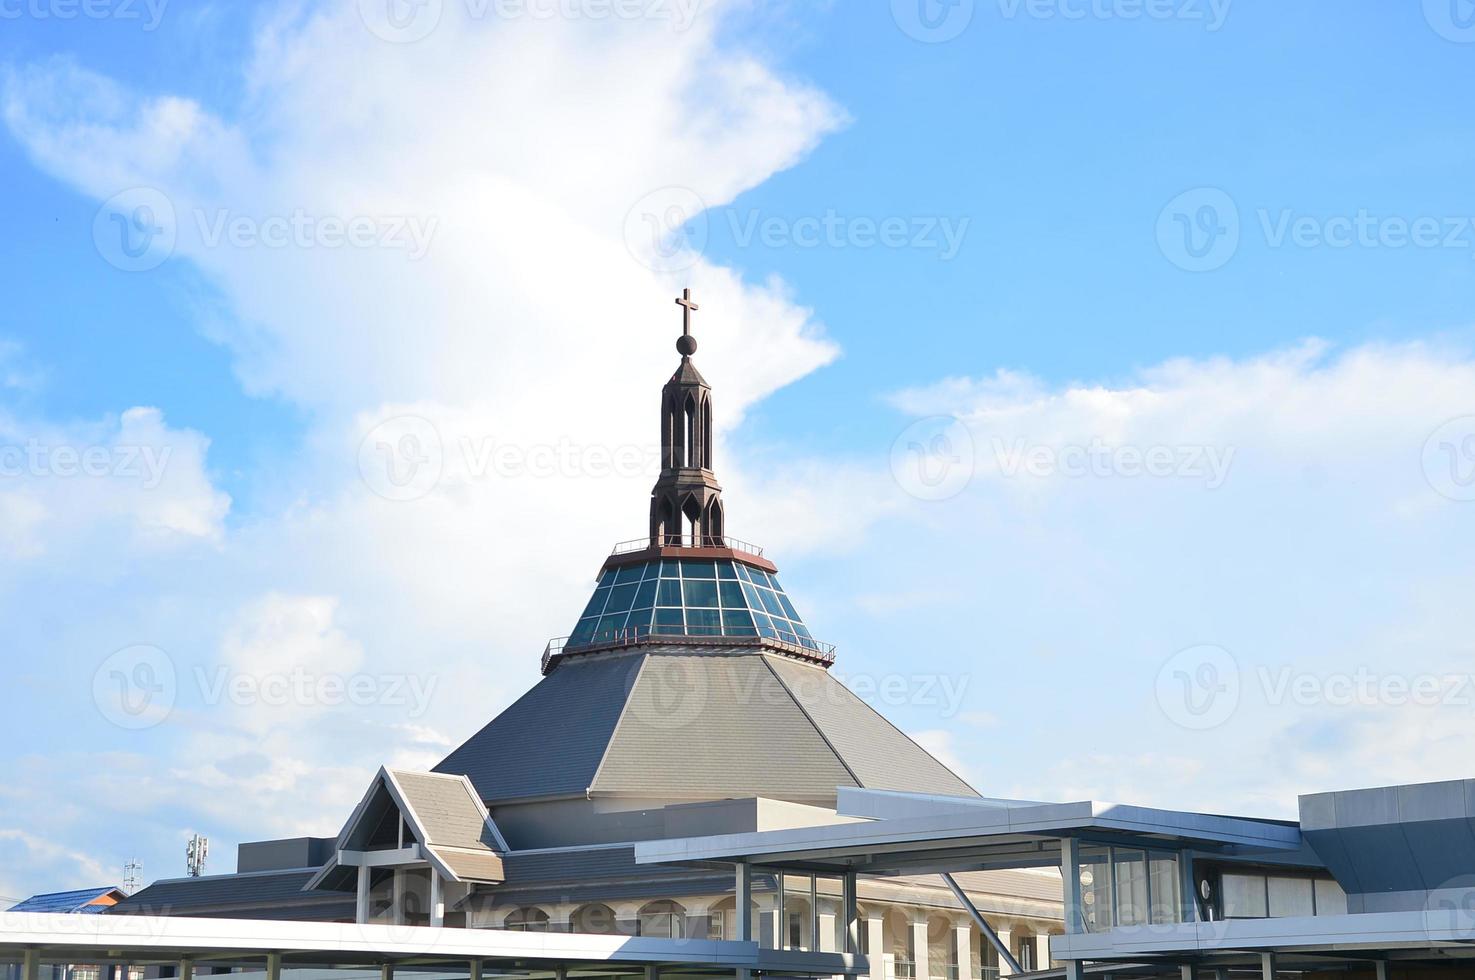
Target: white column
(919,941)
(186,969)
(827,931)
(361,909)
(31,964)
(876,943)
(963,937)
(1042,951)
(1267,966)
(397,898)
(437,899)
(1008,942)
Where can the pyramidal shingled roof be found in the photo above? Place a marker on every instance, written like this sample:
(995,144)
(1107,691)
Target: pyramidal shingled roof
(674,723)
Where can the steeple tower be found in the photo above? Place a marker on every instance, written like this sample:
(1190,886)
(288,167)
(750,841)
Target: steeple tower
(686,502)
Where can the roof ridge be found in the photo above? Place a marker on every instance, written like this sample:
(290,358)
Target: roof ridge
(810,718)
(614,733)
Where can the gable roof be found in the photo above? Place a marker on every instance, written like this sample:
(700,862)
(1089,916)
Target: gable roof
(679,723)
(86,901)
(444,815)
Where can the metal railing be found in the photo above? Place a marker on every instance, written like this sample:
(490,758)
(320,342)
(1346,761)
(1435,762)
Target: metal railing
(686,541)
(809,649)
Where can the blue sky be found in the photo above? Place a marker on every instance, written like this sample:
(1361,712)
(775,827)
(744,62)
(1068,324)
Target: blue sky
(1066,146)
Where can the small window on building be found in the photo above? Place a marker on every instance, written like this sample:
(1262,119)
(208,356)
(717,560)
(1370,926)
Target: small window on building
(1291,897)
(1330,898)
(1244,897)
(526,920)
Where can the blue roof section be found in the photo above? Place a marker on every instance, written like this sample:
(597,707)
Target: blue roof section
(74,901)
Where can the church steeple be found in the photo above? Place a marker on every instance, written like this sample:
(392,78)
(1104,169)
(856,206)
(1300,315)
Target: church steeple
(686,502)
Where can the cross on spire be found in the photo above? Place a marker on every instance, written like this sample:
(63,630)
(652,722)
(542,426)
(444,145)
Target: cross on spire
(687,344)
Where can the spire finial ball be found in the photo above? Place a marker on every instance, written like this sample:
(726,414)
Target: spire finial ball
(686,345)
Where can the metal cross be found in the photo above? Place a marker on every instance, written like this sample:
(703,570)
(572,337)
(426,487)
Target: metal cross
(684,300)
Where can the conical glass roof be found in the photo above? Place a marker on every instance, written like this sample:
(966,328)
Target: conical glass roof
(692,598)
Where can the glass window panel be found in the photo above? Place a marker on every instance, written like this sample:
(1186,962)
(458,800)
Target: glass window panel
(610,625)
(630,573)
(751,594)
(700,592)
(607,577)
(732,595)
(596,603)
(788,606)
(1095,874)
(770,603)
(639,618)
(1131,887)
(725,570)
(670,569)
(761,620)
(1330,898)
(803,631)
(670,618)
(669,593)
(1290,897)
(1244,896)
(737,623)
(743,572)
(621,598)
(1162,869)
(583,631)
(647,594)
(698,569)
(703,622)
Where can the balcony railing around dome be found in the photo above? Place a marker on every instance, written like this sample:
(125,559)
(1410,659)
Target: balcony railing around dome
(798,646)
(686,541)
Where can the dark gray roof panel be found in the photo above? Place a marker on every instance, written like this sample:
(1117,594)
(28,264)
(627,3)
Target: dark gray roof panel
(550,741)
(254,895)
(716,726)
(879,755)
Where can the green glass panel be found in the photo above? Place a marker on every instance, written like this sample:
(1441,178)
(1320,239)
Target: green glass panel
(639,618)
(621,598)
(725,570)
(629,573)
(732,595)
(700,592)
(703,622)
(788,606)
(583,631)
(596,603)
(669,618)
(669,594)
(647,594)
(770,603)
(737,623)
(698,569)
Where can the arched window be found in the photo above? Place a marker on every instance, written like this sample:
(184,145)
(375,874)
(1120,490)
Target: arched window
(596,918)
(526,919)
(664,920)
(693,454)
